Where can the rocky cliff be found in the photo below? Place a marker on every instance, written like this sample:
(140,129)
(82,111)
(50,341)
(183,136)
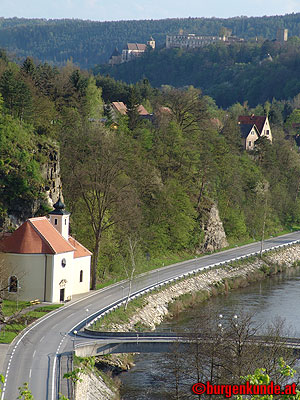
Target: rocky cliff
(214,234)
(51,175)
(20,211)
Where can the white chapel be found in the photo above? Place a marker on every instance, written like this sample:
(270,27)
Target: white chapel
(43,261)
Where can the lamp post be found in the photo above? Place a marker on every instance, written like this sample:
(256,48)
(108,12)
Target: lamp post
(234,318)
(75,333)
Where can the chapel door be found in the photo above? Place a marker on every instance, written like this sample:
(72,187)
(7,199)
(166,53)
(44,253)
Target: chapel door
(62,294)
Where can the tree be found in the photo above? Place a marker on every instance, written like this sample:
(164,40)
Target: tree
(4,279)
(132,110)
(2,380)
(231,132)
(25,393)
(187,107)
(93,104)
(95,163)
(130,264)
(16,94)
(260,377)
(222,350)
(262,191)
(28,66)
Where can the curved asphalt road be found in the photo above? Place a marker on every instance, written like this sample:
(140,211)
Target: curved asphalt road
(32,357)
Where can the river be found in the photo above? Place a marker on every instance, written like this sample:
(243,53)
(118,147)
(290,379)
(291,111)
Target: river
(278,296)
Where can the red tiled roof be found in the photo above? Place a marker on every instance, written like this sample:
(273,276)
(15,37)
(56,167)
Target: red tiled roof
(120,107)
(36,236)
(253,119)
(142,110)
(80,251)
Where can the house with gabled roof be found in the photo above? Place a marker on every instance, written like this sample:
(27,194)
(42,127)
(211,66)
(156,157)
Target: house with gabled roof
(249,134)
(261,123)
(130,52)
(133,50)
(118,108)
(44,261)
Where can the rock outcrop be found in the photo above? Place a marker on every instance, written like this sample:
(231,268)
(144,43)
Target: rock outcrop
(49,192)
(215,237)
(51,175)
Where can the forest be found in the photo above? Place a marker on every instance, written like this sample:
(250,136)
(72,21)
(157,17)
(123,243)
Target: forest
(140,184)
(89,43)
(255,72)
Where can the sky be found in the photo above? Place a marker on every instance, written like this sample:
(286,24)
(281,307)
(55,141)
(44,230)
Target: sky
(110,10)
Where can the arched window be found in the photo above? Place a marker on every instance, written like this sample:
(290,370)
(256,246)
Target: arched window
(81,276)
(13,284)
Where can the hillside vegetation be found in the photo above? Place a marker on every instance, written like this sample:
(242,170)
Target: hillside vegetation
(89,43)
(253,71)
(143,190)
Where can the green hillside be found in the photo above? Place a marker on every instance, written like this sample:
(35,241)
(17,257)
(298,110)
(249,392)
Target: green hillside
(146,189)
(89,43)
(253,71)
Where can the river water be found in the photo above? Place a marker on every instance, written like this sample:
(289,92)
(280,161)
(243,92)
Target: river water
(278,296)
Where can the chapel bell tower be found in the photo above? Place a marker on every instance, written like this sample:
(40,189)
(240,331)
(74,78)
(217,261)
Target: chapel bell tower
(60,218)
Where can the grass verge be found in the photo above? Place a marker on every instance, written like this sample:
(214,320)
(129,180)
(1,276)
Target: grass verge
(21,321)
(9,307)
(120,315)
(171,258)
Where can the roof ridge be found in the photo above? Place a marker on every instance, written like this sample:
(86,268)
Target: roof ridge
(79,244)
(41,235)
(70,243)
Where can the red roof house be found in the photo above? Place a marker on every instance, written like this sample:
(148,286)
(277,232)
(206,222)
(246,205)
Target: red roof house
(254,123)
(43,261)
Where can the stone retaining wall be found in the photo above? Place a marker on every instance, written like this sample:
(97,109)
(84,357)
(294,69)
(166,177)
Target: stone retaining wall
(93,387)
(156,305)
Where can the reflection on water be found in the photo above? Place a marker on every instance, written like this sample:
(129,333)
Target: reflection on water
(275,297)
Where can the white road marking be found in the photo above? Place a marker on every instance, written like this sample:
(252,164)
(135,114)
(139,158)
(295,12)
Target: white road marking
(41,320)
(34,353)
(30,373)
(53,369)
(42,338)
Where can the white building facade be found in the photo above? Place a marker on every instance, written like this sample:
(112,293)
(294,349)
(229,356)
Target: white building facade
(43,262)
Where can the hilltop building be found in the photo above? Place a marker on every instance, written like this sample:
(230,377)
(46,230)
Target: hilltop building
(151,43)
(115,58)
(192,41)
(43,262)
(252,127)
(282,35)
(131,51)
